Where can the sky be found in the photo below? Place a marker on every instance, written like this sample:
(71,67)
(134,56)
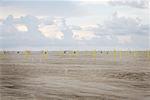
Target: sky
(74,24)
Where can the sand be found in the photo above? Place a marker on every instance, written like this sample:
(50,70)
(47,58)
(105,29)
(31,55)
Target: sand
(80,76)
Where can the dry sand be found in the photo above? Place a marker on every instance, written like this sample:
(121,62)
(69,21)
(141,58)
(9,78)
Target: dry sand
(82,76)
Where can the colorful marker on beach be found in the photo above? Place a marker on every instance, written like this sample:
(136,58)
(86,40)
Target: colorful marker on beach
(115,55)
(27,54)
(134,53)
(61,53)
(94,53)
(148,53)
(2,56)
(120,54)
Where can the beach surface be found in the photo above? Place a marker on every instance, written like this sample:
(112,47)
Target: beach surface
(85,75)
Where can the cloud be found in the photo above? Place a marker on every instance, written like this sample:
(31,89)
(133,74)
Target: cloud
(18,32)
(31,22)
(116,31)
(55,27)
(51,31)
(121,25)
(31,31)
(42,8)
(93,2)
(83,32)
(124,39)
(7,26)
(21,27)
(131,3)
(119,30)
(83,35)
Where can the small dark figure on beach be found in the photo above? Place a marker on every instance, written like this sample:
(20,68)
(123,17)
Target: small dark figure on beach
(4,52)
(65,52)
(45,52)
(74,52)
(18,52)
(101,51)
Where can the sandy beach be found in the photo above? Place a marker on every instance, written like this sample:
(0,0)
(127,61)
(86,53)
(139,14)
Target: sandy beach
(80,76)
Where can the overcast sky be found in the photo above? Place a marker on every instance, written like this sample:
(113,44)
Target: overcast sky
(74,24)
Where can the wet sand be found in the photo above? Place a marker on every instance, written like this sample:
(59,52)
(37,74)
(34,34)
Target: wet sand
(80,76)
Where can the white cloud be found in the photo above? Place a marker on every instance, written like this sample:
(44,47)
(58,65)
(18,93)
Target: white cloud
(83,35)
(46,31)
(122,25)
(84,32)
(21,27)
(131,3)
(116,26)
(108,37)
(1,20)
(51,31)
(41,8)
(124,39)
(93,2)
